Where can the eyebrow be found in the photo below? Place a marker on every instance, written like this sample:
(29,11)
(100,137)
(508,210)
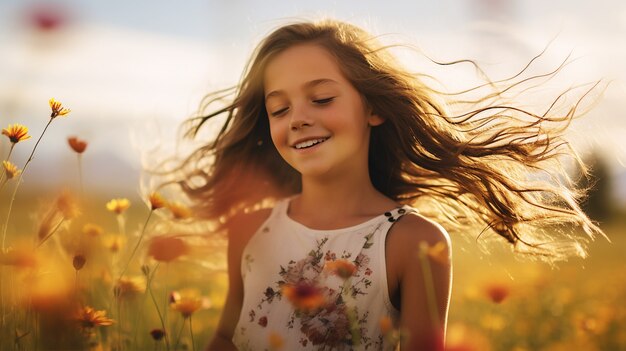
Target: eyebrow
(307,85)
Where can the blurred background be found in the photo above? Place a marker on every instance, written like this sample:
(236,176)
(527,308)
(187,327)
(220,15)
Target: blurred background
(132,71)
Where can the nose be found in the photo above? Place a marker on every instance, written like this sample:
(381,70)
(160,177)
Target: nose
(300,118)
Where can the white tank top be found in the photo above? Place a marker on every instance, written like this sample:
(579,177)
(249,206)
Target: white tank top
(307,289)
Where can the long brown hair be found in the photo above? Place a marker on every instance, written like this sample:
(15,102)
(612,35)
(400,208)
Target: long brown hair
(480,166)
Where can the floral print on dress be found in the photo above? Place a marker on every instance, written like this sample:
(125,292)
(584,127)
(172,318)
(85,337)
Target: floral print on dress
(322,288)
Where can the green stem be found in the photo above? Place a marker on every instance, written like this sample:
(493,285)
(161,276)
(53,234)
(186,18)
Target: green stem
(180,332)
(8,159)
(428,281)
(143,231)
(19,180)
(193,344)
(51,233)
(156,305)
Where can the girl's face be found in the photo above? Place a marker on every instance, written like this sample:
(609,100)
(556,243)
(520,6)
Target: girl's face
(318,121)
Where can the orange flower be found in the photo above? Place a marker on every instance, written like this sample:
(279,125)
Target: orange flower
(92,229)
(57,109)
(189,301)
(118,205)
(276,341)
(497,292)
(179,211)
(156,201)
(22,257)
(127,287)
(342,268)
(77,145)
(16,133)
(305,297)
(10,169)
(90,318)
(386,325)
(167,248)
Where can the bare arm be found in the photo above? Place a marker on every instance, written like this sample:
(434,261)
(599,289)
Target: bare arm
(425,276)
(240,229)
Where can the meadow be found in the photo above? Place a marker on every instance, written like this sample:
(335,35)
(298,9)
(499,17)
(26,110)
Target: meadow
(85,270)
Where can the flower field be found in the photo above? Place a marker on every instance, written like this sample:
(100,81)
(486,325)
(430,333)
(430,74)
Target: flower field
(84,270)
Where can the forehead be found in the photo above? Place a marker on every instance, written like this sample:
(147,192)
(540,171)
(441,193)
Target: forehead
(299,64)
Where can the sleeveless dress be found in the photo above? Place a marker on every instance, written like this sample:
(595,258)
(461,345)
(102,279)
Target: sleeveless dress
(307,289)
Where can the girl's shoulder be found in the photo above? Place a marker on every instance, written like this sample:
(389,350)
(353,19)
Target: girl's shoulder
(411,233)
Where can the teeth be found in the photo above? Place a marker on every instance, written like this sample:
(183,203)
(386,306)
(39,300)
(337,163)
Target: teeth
(309,143)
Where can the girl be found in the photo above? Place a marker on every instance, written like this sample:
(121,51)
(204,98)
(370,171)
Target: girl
(328,174)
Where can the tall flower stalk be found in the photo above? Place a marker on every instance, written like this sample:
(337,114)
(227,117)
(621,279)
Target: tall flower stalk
(57,110)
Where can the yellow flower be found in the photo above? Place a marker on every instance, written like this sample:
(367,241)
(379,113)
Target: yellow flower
(16,133)
(156,201)
(67,206)
(57,109)
(90,318)
(118,205)
(167,248)
(10,169)
(437,252)
(344,269)
(179,211)
(114,242)
(127,287)
(77,145)
(189,301)
(276,341)
(92,229)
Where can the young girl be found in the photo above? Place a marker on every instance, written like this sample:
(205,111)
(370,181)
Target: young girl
(328,174)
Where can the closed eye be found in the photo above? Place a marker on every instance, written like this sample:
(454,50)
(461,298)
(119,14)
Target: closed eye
(324,101)
(279,112)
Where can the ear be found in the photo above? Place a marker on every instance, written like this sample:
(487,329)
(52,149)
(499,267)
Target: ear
(375,120)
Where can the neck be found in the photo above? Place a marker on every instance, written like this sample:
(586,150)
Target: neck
(330,199)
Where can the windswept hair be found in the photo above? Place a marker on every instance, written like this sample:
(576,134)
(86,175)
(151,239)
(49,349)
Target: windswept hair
(492,165)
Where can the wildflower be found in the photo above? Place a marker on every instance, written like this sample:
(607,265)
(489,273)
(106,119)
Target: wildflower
(118,205)
(92,229)
(386,325)
(57,109)
(437,252)
(305,297)
(497,292)
(157,334)
(156,201)
(79,261)
(189,301)
(67,206)
(276,341)
(16,133)
(127,287)
(77,145)
(179,211)
(114,242)
(167,248)
(10,169)
(90,318)
(22,257)
(342,268)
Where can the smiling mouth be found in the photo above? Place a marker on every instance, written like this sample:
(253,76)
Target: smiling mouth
(309,143)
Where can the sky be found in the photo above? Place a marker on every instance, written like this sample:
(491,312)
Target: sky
(133,70)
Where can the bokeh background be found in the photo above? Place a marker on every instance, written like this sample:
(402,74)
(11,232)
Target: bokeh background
(132,71)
